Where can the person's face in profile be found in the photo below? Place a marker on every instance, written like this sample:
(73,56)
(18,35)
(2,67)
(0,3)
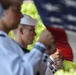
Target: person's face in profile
(12,16)
(28,34)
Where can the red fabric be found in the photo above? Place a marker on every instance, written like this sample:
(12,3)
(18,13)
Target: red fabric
(62,43)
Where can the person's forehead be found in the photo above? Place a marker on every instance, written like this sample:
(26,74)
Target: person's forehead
(29,26)
(16,7)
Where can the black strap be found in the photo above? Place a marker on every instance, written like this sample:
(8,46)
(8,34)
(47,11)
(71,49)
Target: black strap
(38,73)
(25,50)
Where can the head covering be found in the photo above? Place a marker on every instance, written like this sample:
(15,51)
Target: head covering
(1,10)
(27,20)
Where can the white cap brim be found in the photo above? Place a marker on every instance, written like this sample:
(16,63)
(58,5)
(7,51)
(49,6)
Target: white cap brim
(27,20)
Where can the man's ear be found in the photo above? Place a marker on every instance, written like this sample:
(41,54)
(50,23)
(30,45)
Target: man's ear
(21,30)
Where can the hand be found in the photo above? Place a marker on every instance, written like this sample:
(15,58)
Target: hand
(46,38)
(57,55)
(52,48)
(59,64)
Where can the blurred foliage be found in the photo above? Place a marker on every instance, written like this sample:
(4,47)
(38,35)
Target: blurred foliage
(62,72)
(11,34)
(29,9)
(68,65)
(69,68)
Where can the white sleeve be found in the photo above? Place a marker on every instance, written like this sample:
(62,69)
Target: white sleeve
(35,56)
(43,65)
(46,68)
(13,64)
(48,71)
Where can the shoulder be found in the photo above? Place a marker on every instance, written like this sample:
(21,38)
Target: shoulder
(5,40)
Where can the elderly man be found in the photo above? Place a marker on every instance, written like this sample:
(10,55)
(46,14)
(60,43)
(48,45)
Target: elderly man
(24,35)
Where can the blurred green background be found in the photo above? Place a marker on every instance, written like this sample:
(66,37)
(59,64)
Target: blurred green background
(69,68)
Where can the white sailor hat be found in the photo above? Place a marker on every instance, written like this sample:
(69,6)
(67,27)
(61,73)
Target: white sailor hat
(27,20)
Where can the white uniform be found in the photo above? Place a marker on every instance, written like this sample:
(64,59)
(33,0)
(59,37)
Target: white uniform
(42,68)
(15,62)
(12,59)
(45,68)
